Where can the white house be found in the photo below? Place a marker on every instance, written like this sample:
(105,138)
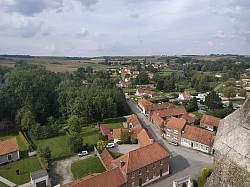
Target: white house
(40,178)
(184,96)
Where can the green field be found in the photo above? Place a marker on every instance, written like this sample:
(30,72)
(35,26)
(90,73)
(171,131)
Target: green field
(25,166)
(86,167)
(168,71)
(197,114)
(59,146)
(3,185)
(115,125)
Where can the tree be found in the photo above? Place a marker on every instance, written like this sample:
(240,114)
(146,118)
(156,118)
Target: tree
(229,92)
(74,124)
(46,153)
(125,138)
(243,92)
(213,101)
(143,78)
(75,142)
(101,145)
(25,118)
(191,105)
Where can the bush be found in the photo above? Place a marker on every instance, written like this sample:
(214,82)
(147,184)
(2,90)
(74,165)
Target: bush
(43,161)
(206,172)
(118,154)
(26,143)
(134,140)
(75,142)
(119,142)
(114,120)
(125,138)
(39,132)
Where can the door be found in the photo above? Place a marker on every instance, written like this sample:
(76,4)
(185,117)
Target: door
(192,145)
(9,157)
(140,182)
(41,184)
(161,173)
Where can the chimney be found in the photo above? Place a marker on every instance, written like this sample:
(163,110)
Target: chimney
(122,163)
(151,141)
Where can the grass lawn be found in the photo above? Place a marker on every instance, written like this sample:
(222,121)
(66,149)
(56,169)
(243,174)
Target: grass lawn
(115,125)
(58,145)
(197,114)
(87,166)
(158,99)
(90,136)
(25,166)
(239,102)
(3,185)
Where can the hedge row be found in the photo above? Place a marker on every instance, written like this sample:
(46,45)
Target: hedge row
(26,143)
(43,161)
(114,120)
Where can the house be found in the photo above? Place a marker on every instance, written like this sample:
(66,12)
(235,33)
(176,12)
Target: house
(105,130)
(144,138)
(9,150)
(166,114)
(210,122)
(133,122)
(184,96)
(118,132)
(190,118)
(158,123)
(40,178)
(174,128)
(110,178)
(198,138)
(140,170)
(143,104)
(202,96)
(148,92)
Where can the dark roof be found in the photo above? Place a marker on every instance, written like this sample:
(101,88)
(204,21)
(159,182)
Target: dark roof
(105,129)
(38,174)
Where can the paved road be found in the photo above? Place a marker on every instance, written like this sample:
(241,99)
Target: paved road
(124,148)
(183,161)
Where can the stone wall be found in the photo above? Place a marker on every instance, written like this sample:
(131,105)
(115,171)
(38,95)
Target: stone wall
(232,150)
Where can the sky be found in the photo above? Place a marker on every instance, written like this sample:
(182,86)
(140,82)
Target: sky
(88,28)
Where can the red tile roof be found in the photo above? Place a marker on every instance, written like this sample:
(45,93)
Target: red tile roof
(147,91)
(133,120)
(176,123)
(106,159)
(105,129)
(157,119)
(141,157)
(8,146)
(199,135)
(210,120)
(172,112)
(160,106)
(144,138)
(132,132)
(186,95)
(144,102)
(109,178)
(189,118)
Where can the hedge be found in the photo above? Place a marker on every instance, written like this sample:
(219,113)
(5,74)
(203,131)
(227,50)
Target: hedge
(114,120)
(26,143)
(43,161)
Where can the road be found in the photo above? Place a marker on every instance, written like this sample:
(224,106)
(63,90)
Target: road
(183,161)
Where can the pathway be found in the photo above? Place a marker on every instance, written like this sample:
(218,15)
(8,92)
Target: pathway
(7,182)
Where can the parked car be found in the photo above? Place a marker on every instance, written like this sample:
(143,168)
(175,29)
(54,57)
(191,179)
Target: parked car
(174,143)
(83,153)
(110,145)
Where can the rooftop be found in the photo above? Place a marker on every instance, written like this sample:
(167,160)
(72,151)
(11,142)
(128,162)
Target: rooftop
(172,112)
(176,123)
(105,129)
(210,120)
(38,174)
(8,146)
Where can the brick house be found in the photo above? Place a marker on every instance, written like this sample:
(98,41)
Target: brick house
(174,128)
(166,114)
(144,138)
(133,122)
(184,96)
(110,178)
(118,132)
(158,123)
(210,122)
(9,151)
(106,131)
(190,118)
(143,104)
(198,138)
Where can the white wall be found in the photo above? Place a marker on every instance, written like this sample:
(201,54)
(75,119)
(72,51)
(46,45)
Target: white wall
(46,178)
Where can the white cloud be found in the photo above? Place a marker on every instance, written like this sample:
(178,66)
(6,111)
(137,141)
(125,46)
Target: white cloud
(210,44)
(82,32)
(219,35)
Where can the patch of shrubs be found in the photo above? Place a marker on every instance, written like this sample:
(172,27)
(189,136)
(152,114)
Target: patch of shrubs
(42,132)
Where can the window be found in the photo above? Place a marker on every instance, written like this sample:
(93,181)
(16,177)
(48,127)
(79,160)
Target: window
(168,129)
(175,137)
(175,131)
(168,134)
(140,172)
(153,174)
(146,168)
(154,165)
(161,162)
(147,178)
(132,175)
(9,157)
(133,184)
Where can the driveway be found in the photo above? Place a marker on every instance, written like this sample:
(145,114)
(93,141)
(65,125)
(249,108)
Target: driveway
(61,170)
(183,161)
(125,148)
